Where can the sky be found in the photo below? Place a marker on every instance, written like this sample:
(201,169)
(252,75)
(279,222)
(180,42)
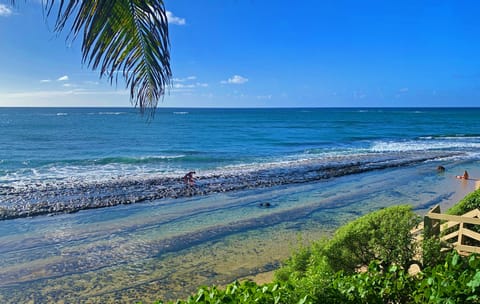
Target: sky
(266,53)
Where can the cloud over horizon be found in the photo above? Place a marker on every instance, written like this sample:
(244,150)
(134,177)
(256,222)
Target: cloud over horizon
(235,79)
(184,79)
(63,78)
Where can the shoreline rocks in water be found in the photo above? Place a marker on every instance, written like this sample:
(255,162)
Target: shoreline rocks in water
(51,198)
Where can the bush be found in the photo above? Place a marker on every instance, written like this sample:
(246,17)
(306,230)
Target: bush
(469,202)
(376,285)
(304,260)
(434,251)
(383,236)
(455,281)
(239,293)
(296,265)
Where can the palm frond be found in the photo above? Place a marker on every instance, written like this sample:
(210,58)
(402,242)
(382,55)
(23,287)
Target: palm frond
(127,37)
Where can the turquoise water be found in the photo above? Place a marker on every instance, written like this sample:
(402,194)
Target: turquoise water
(84,144)
(167,248)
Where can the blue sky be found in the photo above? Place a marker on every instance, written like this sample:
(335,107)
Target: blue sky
(267,53)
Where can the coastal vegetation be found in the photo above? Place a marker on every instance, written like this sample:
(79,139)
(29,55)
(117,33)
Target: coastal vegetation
(369,260)
(469,202)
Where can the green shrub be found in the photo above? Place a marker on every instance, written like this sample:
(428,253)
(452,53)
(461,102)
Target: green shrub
(376,285)
(383,236)
(245,293)
(455,281)
(433,251)
(295,266)
(469,202)
(304,260)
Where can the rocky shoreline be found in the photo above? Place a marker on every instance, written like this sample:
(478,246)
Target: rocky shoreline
(55,198)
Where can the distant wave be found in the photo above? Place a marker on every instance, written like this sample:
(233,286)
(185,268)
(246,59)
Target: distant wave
(455,143)
(111,113)
(107,113)
(421,145)
(369,111)
(180,113)
(452,136)
(136,160)
(62,114)
(90,169)
(111,160)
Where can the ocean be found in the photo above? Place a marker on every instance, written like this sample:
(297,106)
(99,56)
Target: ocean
(87,144)
(96,208)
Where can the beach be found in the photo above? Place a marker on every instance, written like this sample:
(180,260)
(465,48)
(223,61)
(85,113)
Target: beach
(163,239)
(165,250)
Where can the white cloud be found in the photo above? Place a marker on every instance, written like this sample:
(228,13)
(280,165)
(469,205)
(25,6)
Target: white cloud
(174,19)
(183,86)
(45,80)
(51,94)
(188,86)
(5,11)
(63,78)
(184,79)
(235,79)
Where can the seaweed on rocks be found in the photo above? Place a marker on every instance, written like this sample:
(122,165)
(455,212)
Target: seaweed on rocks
(64,197)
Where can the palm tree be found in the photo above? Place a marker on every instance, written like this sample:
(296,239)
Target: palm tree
(127,37)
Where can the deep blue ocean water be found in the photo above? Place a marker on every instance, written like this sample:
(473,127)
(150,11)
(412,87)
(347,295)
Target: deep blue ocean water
(166,248)
(38,144)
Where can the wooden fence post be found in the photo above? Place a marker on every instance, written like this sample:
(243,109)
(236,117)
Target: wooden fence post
(431,226)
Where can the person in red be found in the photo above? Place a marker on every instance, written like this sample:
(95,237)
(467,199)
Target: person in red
(188,178)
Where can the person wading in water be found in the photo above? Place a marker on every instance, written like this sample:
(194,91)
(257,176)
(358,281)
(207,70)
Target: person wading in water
(188,178)
(464,176)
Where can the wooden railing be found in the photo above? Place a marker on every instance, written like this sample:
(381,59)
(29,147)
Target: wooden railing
(454,229)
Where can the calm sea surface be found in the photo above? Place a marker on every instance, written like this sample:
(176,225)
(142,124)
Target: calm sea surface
(166,248)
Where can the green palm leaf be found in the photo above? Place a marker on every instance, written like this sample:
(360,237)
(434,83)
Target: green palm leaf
(127,37)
